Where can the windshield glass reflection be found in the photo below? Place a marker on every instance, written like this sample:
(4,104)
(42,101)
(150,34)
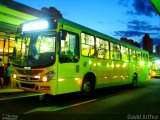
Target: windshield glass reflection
(35,50)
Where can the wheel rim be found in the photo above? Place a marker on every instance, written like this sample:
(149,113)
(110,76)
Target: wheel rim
(87,86)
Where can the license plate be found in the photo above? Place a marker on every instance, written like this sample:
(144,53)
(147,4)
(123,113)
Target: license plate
(45,87)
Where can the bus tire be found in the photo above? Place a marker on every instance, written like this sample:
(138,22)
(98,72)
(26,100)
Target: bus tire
(135,81)
(45,98)
(88,86)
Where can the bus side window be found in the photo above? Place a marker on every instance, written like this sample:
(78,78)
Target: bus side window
(115,51)
(138,54)
(124,52)
(111,51)
(107,54)
(85,51)
(88,47)
(102,48)
(145,57)
(133,57)
(69,47)
(91,51)
(101,53)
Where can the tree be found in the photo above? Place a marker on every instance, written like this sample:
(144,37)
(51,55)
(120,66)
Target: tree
(52,11)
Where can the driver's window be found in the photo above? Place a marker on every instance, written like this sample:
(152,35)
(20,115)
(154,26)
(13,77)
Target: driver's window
(69,47)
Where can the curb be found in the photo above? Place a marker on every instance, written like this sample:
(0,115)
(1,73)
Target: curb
(10,91)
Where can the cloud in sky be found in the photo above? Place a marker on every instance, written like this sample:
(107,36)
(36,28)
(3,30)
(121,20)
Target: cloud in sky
(129,33)
(132,33)
(141,15)
(142,25)
(123,3)
(137,28)
(142,7)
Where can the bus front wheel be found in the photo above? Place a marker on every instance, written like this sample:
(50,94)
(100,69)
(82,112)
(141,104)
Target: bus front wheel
(45,98)
(88,86)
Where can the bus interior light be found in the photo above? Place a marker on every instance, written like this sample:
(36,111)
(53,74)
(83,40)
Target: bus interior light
(36,25)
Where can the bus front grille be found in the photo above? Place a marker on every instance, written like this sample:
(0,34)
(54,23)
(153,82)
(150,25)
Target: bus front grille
(29,72)
(26,78)
(26,85)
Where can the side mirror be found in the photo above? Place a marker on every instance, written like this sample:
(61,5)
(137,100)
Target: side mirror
(64,34)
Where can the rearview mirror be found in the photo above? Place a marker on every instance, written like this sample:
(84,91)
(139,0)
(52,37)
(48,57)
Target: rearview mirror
(64,34)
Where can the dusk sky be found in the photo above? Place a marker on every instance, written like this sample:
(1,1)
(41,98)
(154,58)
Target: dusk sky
(116,18)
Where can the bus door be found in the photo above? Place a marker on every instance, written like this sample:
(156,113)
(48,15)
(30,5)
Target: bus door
(68,65)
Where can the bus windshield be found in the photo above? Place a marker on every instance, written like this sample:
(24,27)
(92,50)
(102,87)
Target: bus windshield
(36,49)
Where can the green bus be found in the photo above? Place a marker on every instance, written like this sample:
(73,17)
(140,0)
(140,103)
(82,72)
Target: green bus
(56,56)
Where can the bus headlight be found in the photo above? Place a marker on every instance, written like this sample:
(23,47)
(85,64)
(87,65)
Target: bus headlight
(44,79)
(48,76)
(14,76)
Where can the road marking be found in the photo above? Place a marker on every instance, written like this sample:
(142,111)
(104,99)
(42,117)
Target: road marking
(57,108)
